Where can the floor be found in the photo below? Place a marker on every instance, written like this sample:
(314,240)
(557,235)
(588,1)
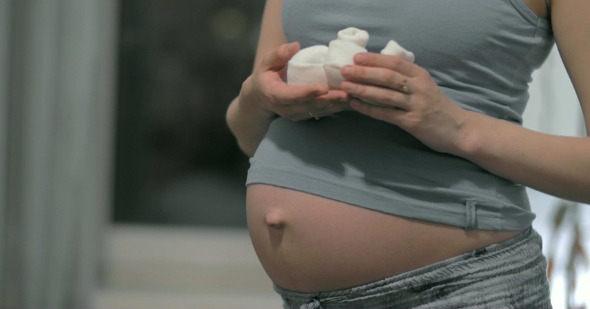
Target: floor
(173,267)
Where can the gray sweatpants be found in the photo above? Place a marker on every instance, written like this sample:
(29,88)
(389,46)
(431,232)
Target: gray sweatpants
(509,274)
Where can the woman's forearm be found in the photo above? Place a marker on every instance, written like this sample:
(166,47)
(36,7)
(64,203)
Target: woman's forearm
(557,165)
(247,121)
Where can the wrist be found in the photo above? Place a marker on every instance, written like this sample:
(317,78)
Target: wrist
(469,140)
(247,119)
(252,102)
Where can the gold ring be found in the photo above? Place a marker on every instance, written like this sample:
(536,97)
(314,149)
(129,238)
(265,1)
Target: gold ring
(315,117)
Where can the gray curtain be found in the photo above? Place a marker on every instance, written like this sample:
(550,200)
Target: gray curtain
(56,106)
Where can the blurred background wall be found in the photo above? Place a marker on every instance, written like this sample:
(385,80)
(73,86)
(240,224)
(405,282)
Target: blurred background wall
(120,185)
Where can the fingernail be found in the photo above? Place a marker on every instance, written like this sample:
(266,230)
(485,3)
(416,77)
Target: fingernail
(360,57)
(347,86)
(322,89)
(291,47)
(347,70)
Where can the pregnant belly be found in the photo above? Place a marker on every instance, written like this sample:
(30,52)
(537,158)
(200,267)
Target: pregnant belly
(308,243)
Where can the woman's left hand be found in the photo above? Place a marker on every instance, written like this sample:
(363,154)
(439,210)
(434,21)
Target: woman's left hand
(399,92)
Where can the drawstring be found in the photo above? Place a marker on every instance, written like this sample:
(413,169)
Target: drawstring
(314,304)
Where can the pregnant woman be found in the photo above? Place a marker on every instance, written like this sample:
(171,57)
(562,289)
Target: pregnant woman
(405,186)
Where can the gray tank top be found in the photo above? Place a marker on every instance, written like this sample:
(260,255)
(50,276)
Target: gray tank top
(480,52)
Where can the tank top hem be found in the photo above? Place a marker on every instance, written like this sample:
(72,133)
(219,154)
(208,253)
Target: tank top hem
(467,215)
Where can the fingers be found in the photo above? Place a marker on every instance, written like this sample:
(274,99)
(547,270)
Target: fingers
(384,97)
(378,112)
(290,94)
(333,102)
(394,63)
(375,76)
(271,81)
(321,109)
(386,81)
(335,96)
(278,58)
(329,103)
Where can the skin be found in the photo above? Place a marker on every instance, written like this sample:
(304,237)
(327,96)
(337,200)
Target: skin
(301,239)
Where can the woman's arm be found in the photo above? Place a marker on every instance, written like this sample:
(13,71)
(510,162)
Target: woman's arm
(553,164)
(250,124)
(265,95)
(556,165)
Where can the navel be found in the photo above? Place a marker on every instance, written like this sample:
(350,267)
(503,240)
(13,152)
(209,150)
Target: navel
(275,219)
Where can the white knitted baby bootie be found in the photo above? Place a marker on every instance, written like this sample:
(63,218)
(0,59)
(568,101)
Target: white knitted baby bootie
(321,64)
(307,66)
(341,52)
(394,49)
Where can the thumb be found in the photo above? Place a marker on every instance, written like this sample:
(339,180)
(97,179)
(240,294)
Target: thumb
(278,58)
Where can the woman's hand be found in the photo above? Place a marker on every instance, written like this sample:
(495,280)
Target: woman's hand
(391,89)
(269,91)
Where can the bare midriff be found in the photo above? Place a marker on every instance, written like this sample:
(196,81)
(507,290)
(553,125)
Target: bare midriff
(307,243)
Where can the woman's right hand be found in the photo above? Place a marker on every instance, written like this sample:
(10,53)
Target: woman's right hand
(267,90)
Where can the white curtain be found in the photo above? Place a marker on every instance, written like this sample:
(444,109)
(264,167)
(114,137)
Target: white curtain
(56,106)
(553,106)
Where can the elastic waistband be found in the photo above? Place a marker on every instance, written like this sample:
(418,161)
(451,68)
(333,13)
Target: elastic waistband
(477,264)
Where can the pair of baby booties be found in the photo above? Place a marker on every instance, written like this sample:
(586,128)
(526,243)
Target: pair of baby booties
(320,64)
